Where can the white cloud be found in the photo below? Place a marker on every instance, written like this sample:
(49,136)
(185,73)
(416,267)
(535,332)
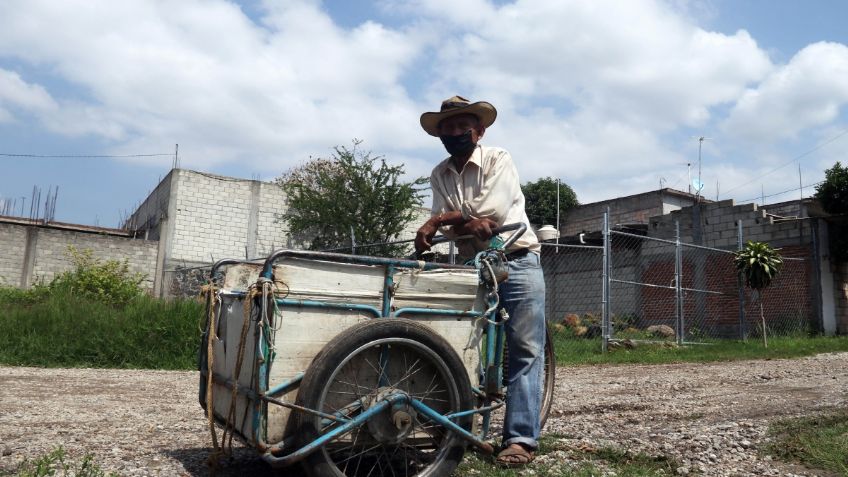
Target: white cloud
(638,62)
(597,93)
(202,73)
(807,92)
(17,93)
(588,91)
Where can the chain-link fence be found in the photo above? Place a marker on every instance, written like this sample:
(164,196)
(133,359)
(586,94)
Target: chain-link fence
(573,289)
(630,286)
(641,288)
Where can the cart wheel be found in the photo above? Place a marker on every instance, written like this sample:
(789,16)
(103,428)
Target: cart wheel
(345,379)
(548,376)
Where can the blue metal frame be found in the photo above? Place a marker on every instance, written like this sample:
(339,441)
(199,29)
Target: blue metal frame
(262,395)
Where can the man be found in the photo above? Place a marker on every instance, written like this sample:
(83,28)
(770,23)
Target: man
(476,190)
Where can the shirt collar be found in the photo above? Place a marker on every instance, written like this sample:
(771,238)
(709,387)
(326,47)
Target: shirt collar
(476,159)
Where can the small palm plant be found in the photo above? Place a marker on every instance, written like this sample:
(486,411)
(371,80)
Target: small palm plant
(759,264)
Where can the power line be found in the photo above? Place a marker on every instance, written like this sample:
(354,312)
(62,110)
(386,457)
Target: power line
(93,156)
(799,156)
(780,193)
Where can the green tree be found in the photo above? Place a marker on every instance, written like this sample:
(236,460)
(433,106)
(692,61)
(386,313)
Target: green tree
(833,196)
(350,190)
(759,264)
(541,198)
(833,192)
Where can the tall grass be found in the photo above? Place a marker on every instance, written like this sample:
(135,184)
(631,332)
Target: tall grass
(61,328)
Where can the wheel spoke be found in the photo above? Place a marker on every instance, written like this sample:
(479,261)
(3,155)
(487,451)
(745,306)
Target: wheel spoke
(364,372)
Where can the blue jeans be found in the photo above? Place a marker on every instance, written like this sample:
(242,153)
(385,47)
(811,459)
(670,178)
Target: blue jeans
(523,297)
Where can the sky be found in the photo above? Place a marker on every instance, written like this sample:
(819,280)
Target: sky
(608,96)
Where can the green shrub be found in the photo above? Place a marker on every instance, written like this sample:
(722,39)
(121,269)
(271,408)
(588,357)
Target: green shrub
(108,281)
(54,463)
(11,296)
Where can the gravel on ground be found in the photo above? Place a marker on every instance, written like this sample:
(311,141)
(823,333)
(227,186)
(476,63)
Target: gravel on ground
(710,418)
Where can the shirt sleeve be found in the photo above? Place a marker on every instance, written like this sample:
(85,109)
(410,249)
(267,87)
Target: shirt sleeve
(440,203)
(500,188)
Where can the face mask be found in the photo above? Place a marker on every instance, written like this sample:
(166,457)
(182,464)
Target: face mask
(458,145)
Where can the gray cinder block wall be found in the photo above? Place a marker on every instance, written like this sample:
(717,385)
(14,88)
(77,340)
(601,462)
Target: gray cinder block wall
(633,209)
(200,218)
(35,252)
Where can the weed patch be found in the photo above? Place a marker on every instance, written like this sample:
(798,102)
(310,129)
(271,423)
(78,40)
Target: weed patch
(559,457)
(56,463)
(820,442)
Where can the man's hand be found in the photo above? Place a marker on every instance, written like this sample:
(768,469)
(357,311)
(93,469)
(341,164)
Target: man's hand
(425,235)
(480,228)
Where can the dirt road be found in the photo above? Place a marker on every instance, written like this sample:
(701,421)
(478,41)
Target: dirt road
(710,417)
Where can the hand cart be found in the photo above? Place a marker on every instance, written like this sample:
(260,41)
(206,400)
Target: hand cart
(357,365)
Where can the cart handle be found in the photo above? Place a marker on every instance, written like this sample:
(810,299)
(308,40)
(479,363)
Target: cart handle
(519,227)
(214,274)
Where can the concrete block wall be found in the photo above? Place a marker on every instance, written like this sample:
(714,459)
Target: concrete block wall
(149,215)
(719,226)
(13,239)
(635,209)
(272,231)
(219,217)
(33,253)
(210,218)
(51,256)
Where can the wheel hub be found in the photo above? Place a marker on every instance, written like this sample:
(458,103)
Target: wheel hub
(395,423)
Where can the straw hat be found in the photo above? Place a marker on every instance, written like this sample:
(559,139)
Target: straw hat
(458,105)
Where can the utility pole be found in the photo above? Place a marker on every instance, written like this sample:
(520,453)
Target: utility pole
(557,227)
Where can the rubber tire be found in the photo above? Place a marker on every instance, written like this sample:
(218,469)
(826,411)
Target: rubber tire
(328,360)
(549,375)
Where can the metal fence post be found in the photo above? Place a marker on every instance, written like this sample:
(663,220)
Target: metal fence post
(678,283)
(605,285)
(743,334)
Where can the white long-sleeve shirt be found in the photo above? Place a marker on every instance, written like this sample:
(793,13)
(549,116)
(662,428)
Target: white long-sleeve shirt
(486,187)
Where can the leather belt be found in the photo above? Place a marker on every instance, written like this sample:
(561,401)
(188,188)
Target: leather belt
(517,254)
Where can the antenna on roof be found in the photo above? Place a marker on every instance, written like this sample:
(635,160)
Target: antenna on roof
(700,184)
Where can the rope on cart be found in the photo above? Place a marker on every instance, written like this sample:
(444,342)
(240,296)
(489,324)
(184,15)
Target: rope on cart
(226,443)
(214,305)
(231,414)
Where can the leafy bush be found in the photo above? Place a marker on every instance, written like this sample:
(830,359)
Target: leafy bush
(20,297)
(108,281)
